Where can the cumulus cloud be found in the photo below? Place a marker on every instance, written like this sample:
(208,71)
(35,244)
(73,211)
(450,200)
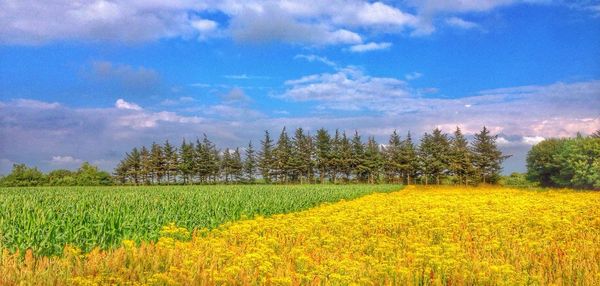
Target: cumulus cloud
(372,46)
(65,161)
(413,75)
(309,22)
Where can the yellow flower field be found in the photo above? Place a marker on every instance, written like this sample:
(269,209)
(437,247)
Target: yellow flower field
(420,235)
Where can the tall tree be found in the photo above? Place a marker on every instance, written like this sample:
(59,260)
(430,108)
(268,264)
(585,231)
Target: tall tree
(373,160)
(460,158)
(345,157)
(359,168)
(392,161)
(250,164)
(487,158)
(265,163)
(226,165)
(322,153)
(301,160)
(170,154)
(408,159)
(157,160)
(283,155)
(211,160)
(186,162)
(237,166)
(146,170)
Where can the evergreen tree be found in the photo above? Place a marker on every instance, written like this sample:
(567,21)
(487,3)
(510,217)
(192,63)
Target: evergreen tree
(226,165)
(186,162)
(322,153)
(134,166)
(392,161)
(408,159)
(146,170)
(283,155)
(170,154)
(345,159)
(487,158)
(373,160)
(460,158)
(250,164)
(237,167)
(210,160)
(157,160)
(359,168)
(265,163)
(335,157)
(302,153)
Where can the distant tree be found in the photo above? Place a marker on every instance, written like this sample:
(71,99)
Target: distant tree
(322,153)
(460,158)
(250,164)
(237,166)
(89,175)
(392,158)
(302,154)
(487,158)
(133,165)
(157,161)
(171,161)
(434,156)
(226,165)
(210,160)
(359,167)
(579,163)
(345,159)
(186,162)
(335,157)
(147,168)
(373,160)
(542,162)
(23,176)
(408,159)
(283,155)
(266,159)
(61,177)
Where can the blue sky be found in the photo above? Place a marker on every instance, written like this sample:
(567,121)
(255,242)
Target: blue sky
(89,80)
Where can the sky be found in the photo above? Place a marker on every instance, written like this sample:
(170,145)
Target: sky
(90,80)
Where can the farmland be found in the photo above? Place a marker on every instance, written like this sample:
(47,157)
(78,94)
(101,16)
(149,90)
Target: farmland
(420,235)
(47,219)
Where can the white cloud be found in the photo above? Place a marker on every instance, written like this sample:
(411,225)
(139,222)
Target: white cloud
(532,140)
(460,23)
(65,160)
(31,103)
(122,104)
(204,25)
(372,46)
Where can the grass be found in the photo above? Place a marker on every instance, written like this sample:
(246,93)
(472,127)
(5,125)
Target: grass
(46,219)
(420,236)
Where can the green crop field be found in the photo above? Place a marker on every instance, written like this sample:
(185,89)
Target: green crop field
(46,219)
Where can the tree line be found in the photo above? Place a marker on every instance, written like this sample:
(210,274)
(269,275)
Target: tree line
(86,175)
(320,158)
(566,162)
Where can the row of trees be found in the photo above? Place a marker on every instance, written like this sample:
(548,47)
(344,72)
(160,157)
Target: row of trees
(86,175)
(566,162)
(319,158)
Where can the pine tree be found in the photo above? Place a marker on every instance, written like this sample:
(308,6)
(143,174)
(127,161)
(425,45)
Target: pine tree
(408,159)
(157,160)
(226,165)
(250,164)
(322,153)
(186,162)
(237,167)
(392,161)
(359,168)
(265,163)
(146,170)
(134,163)
(334,157)
(345,157)
(283,154)
(301,160)
(210,160)
(373,160)
(460,158)
(170,154)
(487,158)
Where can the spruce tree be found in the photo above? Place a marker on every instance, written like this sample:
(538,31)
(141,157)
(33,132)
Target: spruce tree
(345,157)
(186,162)
(460,158)
(408,159)
(392,161)
(302,153)
(170,154)
(250,164)
(226,165)
(322,153)
(359,168)
(157,161)
(487,158)
(282,155)
(373,160)
(265,163)
(237,167)
(146,166)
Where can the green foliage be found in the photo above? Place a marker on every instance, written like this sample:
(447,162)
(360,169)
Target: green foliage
(46,219)
(86,175)
(23,176)
(517,180)
(573,162)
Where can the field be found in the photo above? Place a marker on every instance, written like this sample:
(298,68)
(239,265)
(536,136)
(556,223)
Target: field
(417,236)
(47,219)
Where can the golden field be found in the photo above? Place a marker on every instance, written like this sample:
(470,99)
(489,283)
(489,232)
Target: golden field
(417,236)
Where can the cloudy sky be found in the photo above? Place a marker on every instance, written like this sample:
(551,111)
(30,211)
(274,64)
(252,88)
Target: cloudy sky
(88,80)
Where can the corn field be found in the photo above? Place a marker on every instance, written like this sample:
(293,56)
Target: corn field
(46,219)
